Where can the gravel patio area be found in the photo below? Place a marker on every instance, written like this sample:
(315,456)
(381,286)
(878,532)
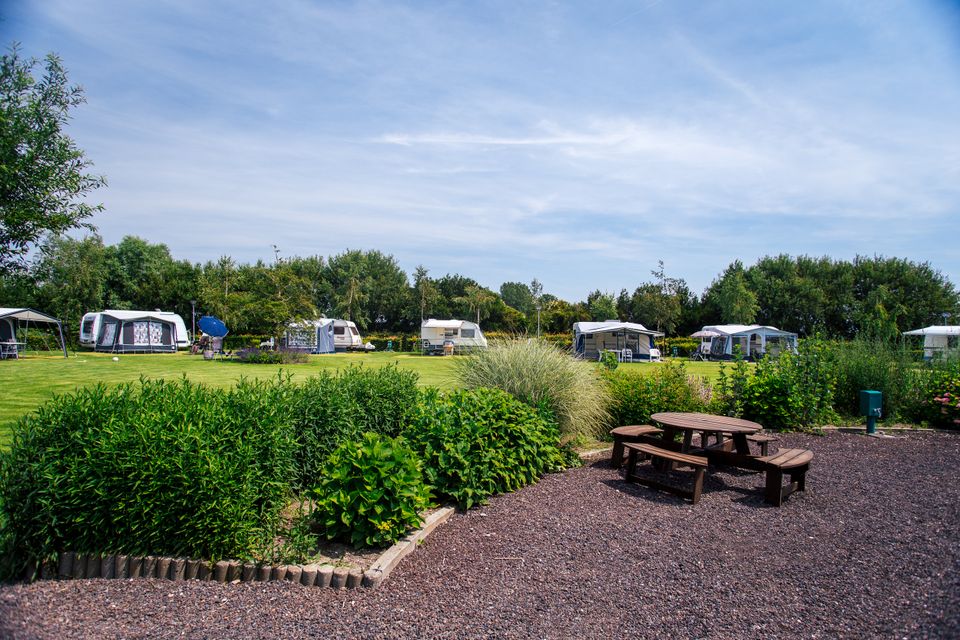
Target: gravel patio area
(869,551)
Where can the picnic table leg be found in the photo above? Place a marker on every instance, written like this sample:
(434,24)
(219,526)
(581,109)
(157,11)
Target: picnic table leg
(741,444)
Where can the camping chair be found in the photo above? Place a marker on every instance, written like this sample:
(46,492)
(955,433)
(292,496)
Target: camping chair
(626,355)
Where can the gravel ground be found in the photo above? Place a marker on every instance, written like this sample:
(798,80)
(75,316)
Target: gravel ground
(869,551)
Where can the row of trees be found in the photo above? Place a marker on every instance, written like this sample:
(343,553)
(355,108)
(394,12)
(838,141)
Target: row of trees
(44,181)
(879,297)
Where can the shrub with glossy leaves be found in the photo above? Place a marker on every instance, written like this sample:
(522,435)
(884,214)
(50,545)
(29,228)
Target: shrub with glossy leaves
(481,442)
(372,492)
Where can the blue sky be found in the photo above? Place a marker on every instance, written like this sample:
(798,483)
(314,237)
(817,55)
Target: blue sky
(575,142)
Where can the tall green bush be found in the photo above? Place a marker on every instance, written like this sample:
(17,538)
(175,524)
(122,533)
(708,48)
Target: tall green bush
(477,443)
(331,408)
(540,373)
(170,468)
(878,365)
(794,392)
(639,393)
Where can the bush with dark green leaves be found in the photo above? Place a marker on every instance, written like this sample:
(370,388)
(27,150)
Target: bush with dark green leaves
(256,355)
(172,468)
(638,393)
(794,392)
(335,407)
(481,442)
(371,493)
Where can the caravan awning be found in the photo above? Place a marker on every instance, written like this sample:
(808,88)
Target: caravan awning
(588,328)
(27,315)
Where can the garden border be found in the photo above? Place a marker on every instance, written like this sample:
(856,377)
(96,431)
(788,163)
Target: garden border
(118,566)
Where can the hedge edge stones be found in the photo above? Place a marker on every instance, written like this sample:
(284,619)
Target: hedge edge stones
(82,565)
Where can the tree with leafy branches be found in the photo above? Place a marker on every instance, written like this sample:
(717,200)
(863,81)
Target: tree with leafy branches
(43,174)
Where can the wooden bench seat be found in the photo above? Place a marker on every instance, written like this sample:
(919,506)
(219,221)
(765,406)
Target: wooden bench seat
(629,433)
(763,440)
(794,463)
(699,464)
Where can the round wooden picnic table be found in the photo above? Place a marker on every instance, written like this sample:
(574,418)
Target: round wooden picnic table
(706,424)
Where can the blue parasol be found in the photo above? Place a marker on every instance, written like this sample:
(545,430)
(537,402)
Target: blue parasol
(213,326)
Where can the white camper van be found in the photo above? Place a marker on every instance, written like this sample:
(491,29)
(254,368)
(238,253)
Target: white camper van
(439,337)
(312,336)
(133,331)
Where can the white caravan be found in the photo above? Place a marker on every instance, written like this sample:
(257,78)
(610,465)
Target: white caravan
(92,323)
(450,336)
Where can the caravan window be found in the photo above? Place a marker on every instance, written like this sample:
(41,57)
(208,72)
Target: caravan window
(338,331)
(467,333)
(450,333)
(87,330)
(354,331)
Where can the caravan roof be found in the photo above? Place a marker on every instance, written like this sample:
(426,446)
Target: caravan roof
(744,329)
(935,330)
(442,324)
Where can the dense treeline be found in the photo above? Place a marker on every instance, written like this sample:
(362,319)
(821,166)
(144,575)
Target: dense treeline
(876,297)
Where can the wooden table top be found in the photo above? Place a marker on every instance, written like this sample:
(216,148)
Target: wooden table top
(706,422)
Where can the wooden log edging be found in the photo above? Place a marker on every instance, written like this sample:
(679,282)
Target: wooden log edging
(71,565)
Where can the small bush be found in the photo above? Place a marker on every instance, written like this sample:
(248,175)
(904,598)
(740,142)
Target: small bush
(170,468)
(372,492)
(481,442)
(536,372)
(329,409)
(637,394)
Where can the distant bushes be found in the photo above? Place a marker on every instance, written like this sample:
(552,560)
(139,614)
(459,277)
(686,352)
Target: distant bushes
(256,355)
(538,372)
(639,393)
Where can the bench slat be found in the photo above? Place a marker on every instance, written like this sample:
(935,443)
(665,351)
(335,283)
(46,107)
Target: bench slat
(787,458)
(657,452)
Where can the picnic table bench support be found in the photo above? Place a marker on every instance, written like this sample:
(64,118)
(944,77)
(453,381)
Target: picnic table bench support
(698,463)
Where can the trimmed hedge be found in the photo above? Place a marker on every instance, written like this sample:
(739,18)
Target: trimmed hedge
(637,394)
(165,468)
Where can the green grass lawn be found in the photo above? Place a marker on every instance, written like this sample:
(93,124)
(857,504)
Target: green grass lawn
(34,379)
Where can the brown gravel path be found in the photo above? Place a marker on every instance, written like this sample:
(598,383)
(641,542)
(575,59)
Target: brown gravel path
(870,551)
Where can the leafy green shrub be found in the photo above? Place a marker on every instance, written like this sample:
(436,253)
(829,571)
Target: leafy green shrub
(791,392)
(878,365)
(684,345)
(331,408)
(936,395)
(609,361)
(480,442)
(371,493)
(637,394)
(170,468)
(537,372)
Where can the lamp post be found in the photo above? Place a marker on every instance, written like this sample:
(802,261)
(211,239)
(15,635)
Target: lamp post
(193,319)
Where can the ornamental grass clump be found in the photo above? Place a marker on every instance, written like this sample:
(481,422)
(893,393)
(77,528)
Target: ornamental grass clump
(164,468)
(537,372)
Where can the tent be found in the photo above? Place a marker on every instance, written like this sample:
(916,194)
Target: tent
(137,332)
(460,335)
(753,340)
(938,340)
(91,330)
(13,319)
(589,338)
(312,336)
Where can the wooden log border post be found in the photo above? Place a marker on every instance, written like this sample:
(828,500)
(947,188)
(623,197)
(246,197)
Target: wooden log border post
(79,565)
